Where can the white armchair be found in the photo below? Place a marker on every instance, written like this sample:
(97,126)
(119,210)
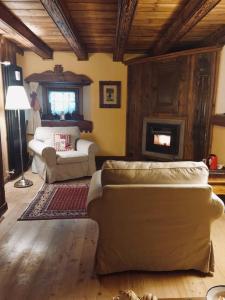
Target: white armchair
(54,165)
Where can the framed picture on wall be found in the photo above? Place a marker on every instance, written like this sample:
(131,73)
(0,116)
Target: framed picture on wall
(110,94)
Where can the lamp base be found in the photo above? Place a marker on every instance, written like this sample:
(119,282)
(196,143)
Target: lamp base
(23,183)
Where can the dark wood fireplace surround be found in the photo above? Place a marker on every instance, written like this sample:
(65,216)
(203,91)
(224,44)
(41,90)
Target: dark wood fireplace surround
(180,86)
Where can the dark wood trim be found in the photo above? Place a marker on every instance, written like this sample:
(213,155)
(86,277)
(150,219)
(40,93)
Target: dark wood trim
(59,76)
(8,50)
(117,84)
(84,125)
(59,13)
(126,10)
(77,89)
(218,120)
(28,38)
(216,38)
(3,204)
(145,59)
(3,208)
(214,94)
(189,16)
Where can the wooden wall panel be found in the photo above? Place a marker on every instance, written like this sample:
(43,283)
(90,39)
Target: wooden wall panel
(191,98)
(135,112)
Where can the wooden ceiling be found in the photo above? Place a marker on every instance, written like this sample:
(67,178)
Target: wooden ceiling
(117,26)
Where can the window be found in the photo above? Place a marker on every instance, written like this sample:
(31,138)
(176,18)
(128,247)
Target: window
(64,100)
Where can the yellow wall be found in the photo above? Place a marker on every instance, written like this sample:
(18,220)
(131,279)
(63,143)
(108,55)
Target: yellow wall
(3,130)
(109,124)
(218,140)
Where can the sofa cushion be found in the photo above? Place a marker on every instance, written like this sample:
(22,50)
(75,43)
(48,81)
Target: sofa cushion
(123,172)
(67,157)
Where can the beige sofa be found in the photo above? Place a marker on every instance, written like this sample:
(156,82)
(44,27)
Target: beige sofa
(54,165)
(153,216)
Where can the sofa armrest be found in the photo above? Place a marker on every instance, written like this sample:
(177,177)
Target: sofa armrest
(94,194)
(46,152)
(216,207)
(86,147)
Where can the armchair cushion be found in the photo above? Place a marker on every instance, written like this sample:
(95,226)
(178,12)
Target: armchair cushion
(67,157)
(46,134)
(123,172)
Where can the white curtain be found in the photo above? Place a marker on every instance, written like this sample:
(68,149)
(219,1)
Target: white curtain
(34,119)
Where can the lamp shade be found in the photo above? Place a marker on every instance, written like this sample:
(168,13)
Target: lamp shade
(16,98)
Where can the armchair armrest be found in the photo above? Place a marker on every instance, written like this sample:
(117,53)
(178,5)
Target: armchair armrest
(86,147)
(216,207)
(94,194)
(46,152)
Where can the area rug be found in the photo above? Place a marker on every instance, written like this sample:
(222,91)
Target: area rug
(58,201)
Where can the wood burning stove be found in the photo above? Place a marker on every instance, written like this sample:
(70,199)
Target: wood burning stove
(163,138)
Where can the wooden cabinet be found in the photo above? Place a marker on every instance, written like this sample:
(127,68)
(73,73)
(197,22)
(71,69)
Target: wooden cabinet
(3,204)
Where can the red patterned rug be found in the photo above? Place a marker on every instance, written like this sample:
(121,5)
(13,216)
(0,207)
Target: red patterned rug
(58,201)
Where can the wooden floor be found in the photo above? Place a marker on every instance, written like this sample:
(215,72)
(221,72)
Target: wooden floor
(54,259)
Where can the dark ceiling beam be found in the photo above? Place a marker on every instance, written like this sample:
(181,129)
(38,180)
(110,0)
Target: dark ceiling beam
(60,15)
(189,16)
(126,10)
(216,38)
(12,24)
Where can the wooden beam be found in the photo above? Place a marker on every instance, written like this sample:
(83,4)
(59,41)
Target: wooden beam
(216,38)
(188,17)
(14,26)
(8,50)
(60,15)
(126,10)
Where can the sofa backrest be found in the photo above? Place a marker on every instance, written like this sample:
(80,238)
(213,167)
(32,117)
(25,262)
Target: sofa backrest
(183,172)
(46,134)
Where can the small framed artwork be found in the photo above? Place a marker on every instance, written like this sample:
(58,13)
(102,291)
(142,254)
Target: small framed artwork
(110,94)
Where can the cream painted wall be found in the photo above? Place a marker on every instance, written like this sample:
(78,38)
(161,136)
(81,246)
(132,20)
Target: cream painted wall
(109,124)
(218,140)
(3,130)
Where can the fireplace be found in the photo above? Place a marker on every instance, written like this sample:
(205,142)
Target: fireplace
(163,138)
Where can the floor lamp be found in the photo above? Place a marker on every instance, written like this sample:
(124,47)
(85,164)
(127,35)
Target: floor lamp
(16,99)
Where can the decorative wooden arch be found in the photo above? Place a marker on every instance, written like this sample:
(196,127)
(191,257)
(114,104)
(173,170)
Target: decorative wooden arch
(58,76)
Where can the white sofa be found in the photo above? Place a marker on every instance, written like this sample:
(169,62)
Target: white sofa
(153,216)
(54,165)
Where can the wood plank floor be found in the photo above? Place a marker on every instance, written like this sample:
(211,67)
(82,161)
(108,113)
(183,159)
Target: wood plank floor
(53,259)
